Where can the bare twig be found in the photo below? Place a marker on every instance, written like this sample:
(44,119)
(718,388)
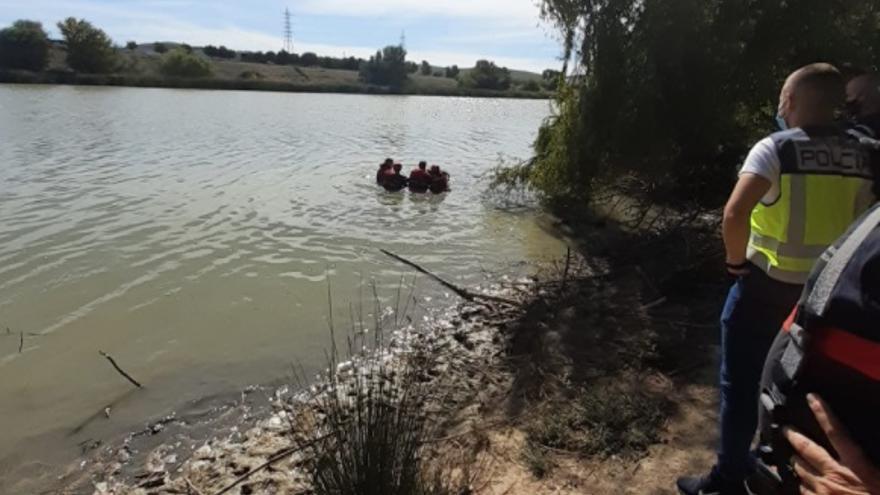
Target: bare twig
(567,266)
(20,342)
(192,488)
(272,460)
(463,293)
(121,372)
(658,302)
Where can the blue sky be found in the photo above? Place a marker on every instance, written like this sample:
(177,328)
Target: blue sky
(442,32)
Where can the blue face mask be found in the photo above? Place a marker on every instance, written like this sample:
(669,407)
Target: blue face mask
(781,123)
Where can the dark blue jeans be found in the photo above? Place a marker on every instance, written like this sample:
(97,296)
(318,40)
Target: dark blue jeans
(756,308)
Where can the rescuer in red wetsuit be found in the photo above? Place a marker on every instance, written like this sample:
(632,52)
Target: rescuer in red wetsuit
(384,170)
(395,181)
(419,179)
(439,180)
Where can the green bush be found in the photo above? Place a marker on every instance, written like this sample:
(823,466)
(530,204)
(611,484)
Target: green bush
(131,45)
(180,63)
(670,94)
(219,52)
(24,45)
(387,68)
(486,75)
(89,49)
(452,72)
(251,75)
(308,59)
(531,86)
(160,48)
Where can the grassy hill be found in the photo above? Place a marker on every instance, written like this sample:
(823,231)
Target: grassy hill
(141,67)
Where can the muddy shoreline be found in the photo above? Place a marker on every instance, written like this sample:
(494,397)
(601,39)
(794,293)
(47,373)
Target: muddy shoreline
(520,390)
(206,449)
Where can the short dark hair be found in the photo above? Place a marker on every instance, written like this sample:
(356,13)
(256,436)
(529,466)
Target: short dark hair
(389,161)
(825,82)
(423,164)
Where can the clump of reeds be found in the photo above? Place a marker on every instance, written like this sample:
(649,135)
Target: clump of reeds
(370,422)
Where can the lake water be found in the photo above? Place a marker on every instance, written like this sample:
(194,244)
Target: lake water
(191,234)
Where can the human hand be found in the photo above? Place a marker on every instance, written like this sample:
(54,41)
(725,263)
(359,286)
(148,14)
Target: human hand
(819,472)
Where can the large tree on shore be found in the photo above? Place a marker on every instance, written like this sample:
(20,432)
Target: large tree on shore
(387,68)
(24,45)
(89,49)
(669,94)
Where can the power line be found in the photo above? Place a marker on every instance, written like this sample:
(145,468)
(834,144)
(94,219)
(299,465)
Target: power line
(288,32)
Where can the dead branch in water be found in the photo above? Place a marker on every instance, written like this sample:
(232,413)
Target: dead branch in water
(20,342)
(120,370)
(463,293)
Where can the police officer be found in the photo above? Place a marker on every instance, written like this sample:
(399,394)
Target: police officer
(797,192)
(863,111)
(863,104)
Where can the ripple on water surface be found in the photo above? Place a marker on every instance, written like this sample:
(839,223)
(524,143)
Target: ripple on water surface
(191,234)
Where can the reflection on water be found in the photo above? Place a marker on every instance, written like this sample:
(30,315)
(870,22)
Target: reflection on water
(190,235)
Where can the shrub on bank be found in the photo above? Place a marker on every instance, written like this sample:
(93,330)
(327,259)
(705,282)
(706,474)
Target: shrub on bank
(677,91)
(487,75)
(89,49)
(180,63)
(24,45)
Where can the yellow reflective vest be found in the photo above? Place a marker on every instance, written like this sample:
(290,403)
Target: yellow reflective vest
(824,187)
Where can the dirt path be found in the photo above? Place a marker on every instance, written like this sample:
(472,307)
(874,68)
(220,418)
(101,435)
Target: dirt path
(688,447)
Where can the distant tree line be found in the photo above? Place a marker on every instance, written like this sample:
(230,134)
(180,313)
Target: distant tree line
(219,52)
(25,45)
(307,59)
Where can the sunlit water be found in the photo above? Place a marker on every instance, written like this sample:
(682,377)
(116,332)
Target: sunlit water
(190,234)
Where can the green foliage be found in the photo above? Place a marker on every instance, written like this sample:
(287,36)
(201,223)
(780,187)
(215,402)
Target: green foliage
(550,79)
(531,86)
(487,75)
(160,48)
(671,93)
(219,52)
(252,75)
(387,68)
(89,49)
(452,72)
(180,63)
(131,45)
(425,68)
(186,48)
(308,59)
(24,45)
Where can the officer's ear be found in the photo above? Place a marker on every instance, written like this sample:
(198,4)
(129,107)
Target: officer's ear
(786,100)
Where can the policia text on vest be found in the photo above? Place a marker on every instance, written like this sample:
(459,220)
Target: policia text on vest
(824,185)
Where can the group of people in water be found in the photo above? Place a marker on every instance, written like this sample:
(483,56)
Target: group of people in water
(421,180)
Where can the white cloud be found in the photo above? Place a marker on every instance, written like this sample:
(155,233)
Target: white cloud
(510,10)
(154,20)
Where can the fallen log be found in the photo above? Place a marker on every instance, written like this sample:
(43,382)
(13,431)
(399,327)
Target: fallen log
(120,370)
(460,292)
